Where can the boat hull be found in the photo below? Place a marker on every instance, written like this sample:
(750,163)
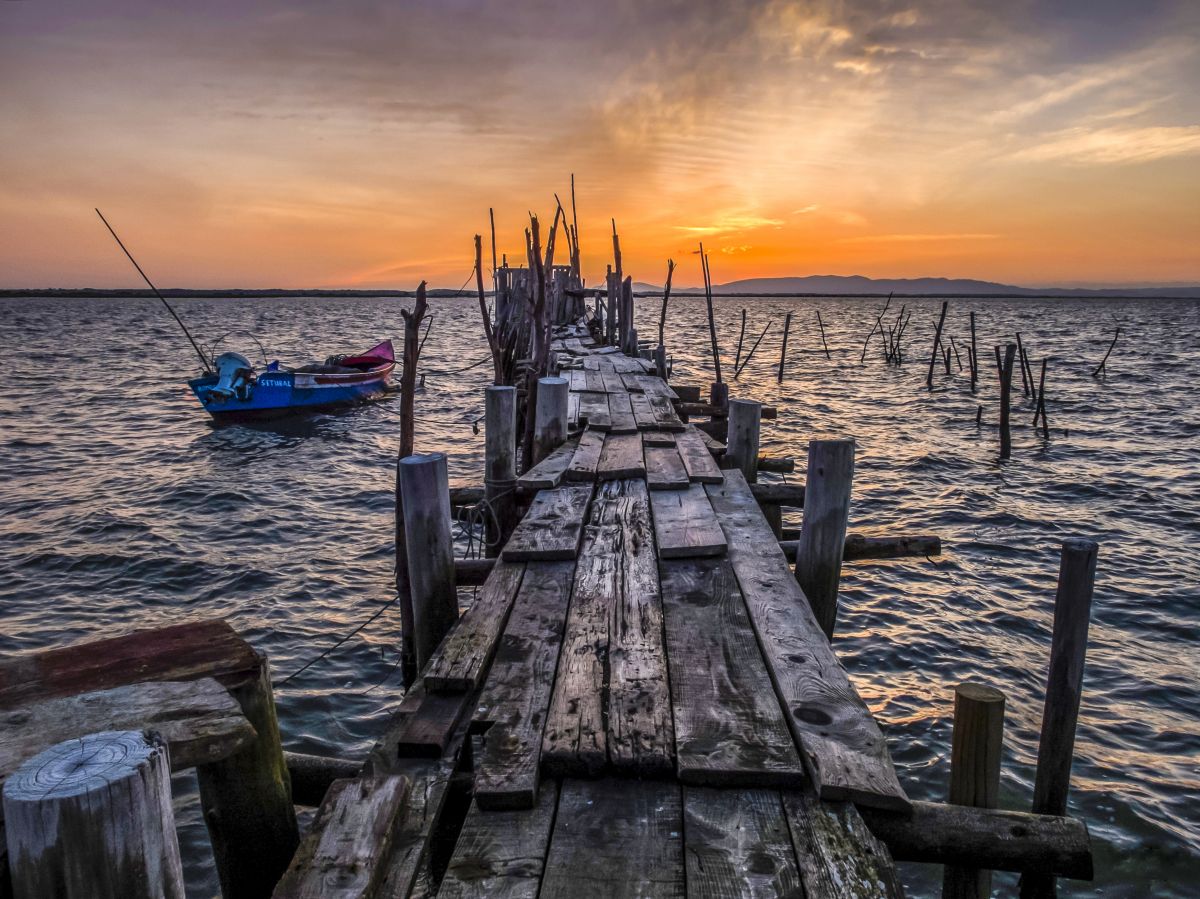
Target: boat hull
(276,394)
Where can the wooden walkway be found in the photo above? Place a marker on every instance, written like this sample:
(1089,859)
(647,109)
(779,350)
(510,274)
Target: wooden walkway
(639,702)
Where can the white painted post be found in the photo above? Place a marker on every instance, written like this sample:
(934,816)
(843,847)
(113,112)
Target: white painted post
(425,486)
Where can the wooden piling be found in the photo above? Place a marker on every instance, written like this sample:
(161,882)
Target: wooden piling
(424,483)
(1064,687)
(743,437)
(712,324)
(823,533)
(787,324)
(937,340)
(821,325)
(500,465)
(550,417)
(974,356)
(1023,362)
(737,360)
(1099,368)
(974,773)
(1006,373)
(1040,410)
(718,395)
(91,818)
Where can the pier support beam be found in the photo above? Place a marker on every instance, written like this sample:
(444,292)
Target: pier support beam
(823,528)
(424,484)
(500,465)
(550,417)
(742,438)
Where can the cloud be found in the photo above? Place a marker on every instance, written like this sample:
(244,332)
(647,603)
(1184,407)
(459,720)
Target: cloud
(914,238)
(731,224)
(1115,146)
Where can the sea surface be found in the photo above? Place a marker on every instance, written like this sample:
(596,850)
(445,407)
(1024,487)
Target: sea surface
(123,507)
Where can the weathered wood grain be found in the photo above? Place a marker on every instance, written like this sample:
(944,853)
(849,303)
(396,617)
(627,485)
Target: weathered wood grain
(664,468)
(621,458)
(513,704)
(737,843)
(463,657)
(620,414)
(586,459)
(658,438)
(502,855)
(613,383)
(644,415)
(593,409)
(664,413)
(729,728)
(697,459)
(548,473)
(685,525)
(841,745)
(550,529)
(616,839)
(426,722)
(839,857)
(344,853)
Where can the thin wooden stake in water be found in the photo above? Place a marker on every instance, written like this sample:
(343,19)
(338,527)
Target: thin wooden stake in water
(737,360)
(1041,404)
(712,325)
(974,356)
(787,324)
(1100,367)
(1006,373)
(937,340)
(821,325)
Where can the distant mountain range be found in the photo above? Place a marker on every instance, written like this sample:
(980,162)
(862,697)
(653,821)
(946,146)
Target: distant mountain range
(858,285)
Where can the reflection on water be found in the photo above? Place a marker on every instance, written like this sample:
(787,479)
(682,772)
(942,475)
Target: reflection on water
(123,507)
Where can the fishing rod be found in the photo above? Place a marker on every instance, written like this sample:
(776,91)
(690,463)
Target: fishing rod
(195,346)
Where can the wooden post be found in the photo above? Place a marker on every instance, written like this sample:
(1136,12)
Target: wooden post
(500,465)
(1026,375)
(718,394)
(91,818)
(974,356)
(1006,373)
(1068,648)
(1041,404)
(712,324)
(742,437)
(660,361)
(974,773)
(823,532)
(1099,368)
(821,325)
(610,312)
(627,305)
(787,324)
(247,800)
(424,482)
(631,348)
(550,417)
(737,360)
(937,340)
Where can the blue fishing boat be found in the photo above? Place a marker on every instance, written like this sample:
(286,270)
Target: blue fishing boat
(238,391)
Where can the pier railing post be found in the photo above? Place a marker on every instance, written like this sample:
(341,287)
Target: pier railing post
(742,437)
(974,773)
(1064,687)
(424,483)
(822,542)
(91,818)
(247,800)
(499,466)
(550,417)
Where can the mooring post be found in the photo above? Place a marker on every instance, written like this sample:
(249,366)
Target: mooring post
(718,394)
(247,800)
(974,773)
(550,417)
(742,437)
(660,361)
(1006,373)
(499,466)
(631,348)
(974,356)
(91,818)
(937,340)
(424,481)
(1064,687)
(827,487)
(787,325)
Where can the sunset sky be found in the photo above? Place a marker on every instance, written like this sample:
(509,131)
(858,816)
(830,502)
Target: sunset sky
(317,144)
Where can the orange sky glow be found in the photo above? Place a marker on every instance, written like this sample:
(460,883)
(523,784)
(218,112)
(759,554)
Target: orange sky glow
(360,145)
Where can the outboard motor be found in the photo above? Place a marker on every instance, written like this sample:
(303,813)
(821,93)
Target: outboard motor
(235,377)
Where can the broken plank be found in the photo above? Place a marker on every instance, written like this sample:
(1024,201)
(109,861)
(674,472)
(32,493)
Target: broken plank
(736,843)
(664,468)
(665,415)
(501,854)
(616,838)
(843,749)
(344,853)
(550,529)
(729,728)
(462,659)
(715,446)
(426,722)
(620,413)
(586,459)
(696,458)
(658,438)
(593,409)
(547,474)
(621,458)
(839,856)
(513,703)
(685,524)
(632,385)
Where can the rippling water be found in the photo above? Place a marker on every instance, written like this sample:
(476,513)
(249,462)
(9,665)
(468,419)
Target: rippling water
(121,507)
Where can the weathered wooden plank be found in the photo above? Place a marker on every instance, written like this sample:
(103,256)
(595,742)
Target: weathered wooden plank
(729,728)
(715,446)
(621,458)
(513,703)
(643,413)
(620,414)
(658,438)
(656,386)
(641,736)
(593,408)
(664,413)
(427,722)
(632,384)
(548,473)
(613,383)
(576,379)
(664,468)
(839,857)
(696,458)
(685,525)
(736,843)
(616,839)
(550,529)
(586,459)
(501,855)
(200,722)
(463,657)
(181,652)
(344,853)
(594,381)
(573,411)
(842,747)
